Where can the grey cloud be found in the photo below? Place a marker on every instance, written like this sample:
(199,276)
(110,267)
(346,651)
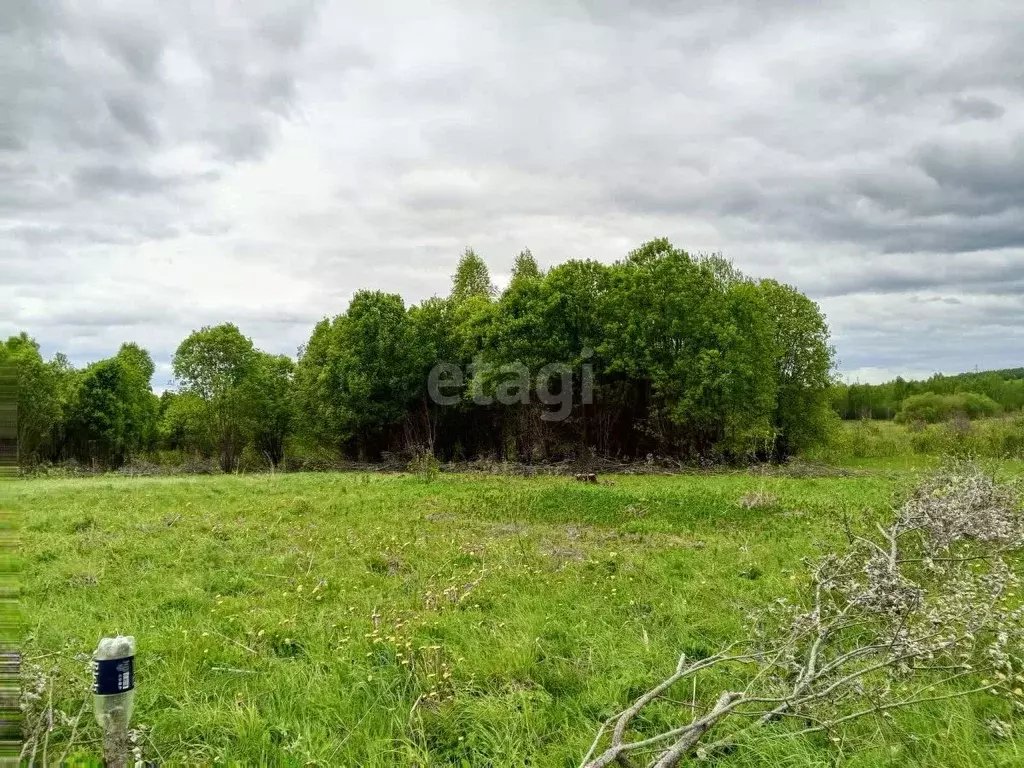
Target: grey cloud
(985,169)
(976,108)
(109,317)
(10,142)
(16,15)
(872,156)
(244,141)
(132,115)
(930,336)
(102,179)
(304,318)
(907,273)
(26,188)
(40,235)
(136,43)
(277,92)
(287,25)
(86,79)
(941,198)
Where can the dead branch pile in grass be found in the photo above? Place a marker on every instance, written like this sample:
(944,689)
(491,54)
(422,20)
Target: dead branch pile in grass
(919,610)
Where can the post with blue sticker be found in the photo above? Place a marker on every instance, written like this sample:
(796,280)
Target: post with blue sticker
(113,687)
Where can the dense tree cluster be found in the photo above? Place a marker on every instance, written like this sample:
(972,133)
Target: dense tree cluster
(885,401)
(661,353)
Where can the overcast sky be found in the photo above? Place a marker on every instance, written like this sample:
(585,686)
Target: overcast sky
(167,165)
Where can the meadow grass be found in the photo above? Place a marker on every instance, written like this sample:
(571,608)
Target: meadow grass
(892,444)
(378,620)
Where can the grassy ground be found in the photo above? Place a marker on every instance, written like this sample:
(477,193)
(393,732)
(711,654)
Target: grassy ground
(379,620)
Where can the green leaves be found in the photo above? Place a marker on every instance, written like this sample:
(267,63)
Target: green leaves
(660,353)
(359,371)
(39,389)
(114,416)
(214,364)
(471,279)
(267,407)
(685,356)
(212,361)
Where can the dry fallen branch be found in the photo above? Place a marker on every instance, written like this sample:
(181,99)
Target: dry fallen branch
(910,610)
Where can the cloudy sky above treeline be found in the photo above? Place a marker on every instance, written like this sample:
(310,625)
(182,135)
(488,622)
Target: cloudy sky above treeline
(167,165)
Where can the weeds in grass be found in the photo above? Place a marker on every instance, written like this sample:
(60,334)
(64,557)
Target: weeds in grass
(996,438)
(758,500)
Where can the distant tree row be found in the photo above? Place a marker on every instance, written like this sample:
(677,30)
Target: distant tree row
(230,396)
(885,401)
(661,352)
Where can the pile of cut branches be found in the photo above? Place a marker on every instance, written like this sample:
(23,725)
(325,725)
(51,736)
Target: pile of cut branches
(921,609)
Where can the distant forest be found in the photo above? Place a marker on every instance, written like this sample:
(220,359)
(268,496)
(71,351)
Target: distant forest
(1003,389)
(661,353)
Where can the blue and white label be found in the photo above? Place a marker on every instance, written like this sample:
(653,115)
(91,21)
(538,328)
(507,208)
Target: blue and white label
(111,676)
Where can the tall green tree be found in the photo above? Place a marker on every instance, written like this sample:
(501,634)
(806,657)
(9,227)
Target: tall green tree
(317,418)
(115,411)
(525,267)
(268,406)
(691,338)
(804,365)
(471,278)
(38,396)
(434,365)
(213,364)
(357,373)
(141,405)
(185,424)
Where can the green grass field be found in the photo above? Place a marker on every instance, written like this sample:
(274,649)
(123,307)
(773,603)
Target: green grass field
(379,620)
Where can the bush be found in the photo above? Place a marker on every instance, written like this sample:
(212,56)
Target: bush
(198,466)
(137,467)
(931,408)
(975,406)
(425,464)
(251,460)
(312,459)
(928,408)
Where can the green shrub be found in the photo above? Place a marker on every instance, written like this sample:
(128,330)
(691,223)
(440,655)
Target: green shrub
(931,408)
(928,408)
(425,464)
(995,438)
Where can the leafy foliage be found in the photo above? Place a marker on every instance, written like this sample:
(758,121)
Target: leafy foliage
(472,278)
(214,364)
(115,411)
(267,405)
(38,398)
(660,353)
(931,408)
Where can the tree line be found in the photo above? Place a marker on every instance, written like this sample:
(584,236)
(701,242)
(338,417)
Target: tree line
(1004,389)
(659,353)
